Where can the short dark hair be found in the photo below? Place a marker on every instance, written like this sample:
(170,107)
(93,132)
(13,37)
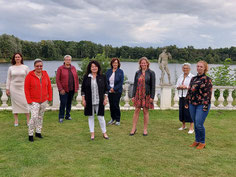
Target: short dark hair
(113,60)
(89,67)
(13,61)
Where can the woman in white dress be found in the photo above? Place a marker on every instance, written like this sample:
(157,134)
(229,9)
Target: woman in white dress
(15,87)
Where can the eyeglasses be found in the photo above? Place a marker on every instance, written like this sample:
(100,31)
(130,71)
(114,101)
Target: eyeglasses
(39,66)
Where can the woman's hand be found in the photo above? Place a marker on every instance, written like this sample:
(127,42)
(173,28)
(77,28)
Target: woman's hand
(105,102)
(151,100)
(62,92)
(186,106)
(112,90)
(133,99)
(8,92)
(83,101)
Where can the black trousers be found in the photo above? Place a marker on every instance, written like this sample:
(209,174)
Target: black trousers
(114,101)
(184,114)
(65,103)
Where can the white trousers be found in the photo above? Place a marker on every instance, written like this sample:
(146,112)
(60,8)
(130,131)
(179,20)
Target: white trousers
(100,119)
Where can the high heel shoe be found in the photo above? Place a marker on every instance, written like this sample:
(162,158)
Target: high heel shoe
(105,137)
(132,134)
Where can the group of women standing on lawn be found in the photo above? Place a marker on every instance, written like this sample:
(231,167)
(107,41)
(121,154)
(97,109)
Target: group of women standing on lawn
(31,90)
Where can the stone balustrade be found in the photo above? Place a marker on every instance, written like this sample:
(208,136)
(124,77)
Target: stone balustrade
(166,98)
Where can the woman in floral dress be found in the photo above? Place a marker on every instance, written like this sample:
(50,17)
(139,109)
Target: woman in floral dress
(143,93)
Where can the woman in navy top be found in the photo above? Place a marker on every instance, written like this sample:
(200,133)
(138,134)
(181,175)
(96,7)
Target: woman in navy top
(115,79)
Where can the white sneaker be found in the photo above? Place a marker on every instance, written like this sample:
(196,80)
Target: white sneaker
(111,122)
(181,128)
(16,125)
(190,131)
(118,123)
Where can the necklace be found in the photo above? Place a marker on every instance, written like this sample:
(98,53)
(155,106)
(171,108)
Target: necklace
(38,74)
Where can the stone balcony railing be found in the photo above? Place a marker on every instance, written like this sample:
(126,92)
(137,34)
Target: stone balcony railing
(166,98)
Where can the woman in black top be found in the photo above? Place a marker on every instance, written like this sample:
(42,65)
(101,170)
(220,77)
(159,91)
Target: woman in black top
(94,96)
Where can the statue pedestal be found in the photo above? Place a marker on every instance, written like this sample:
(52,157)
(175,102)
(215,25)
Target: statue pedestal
(56,99)
(165,102)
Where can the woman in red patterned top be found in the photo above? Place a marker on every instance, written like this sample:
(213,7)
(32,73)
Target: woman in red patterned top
(143,93)
(199,98)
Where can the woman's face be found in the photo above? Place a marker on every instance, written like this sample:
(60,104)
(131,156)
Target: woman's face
(38,67)
(67,61)
(18,58)
(200,68)
(143,64)
(94,68)
(186,69)
(115,64)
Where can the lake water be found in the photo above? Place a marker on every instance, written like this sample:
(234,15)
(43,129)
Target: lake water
(129,69)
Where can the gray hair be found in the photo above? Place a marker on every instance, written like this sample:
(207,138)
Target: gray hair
(187,64)
(37,60)
(66,56)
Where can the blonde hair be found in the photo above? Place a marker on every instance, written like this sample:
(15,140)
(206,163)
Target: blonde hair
(141,59)
(205,65)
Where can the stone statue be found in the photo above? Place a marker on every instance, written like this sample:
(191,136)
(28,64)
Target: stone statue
(163,65)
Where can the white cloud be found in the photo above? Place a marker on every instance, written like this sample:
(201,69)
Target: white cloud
(35,6)
(200,23)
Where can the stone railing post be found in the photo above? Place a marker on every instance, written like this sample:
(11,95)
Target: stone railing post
(176,99)
(4,97)
(107,107)
(230,99)
(165,96)
(221,98)
(126,98)
(213,98)
(79,100)
(56,100)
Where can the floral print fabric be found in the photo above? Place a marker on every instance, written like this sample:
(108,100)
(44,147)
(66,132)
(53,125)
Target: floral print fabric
(200,90)
(141,100)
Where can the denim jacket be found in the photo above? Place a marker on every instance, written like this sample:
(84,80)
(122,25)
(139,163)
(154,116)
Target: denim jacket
(149,82)
(119,79)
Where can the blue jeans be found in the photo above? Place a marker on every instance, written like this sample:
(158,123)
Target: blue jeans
(65,103)
(199,117)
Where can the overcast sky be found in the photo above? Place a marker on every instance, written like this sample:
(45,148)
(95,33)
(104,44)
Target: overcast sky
(157,23)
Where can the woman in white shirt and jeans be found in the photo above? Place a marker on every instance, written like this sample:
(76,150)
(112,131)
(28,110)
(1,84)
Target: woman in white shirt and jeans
(182,86)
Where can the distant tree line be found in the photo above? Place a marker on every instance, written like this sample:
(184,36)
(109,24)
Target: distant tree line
(56,49)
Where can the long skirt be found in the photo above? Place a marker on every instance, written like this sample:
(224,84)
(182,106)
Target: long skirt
(18,100)
(184,115)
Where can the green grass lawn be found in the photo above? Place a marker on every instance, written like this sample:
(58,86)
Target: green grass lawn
(66,149)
